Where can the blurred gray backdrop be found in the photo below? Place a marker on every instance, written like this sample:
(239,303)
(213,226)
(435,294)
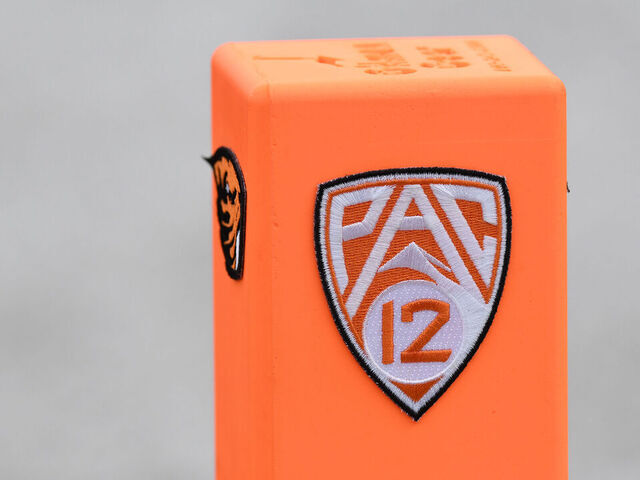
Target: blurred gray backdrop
(105,231)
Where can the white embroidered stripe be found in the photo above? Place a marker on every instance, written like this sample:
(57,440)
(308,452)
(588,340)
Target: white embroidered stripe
(338,234)
(483,258)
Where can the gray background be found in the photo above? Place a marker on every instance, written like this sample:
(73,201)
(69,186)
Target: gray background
(105,282)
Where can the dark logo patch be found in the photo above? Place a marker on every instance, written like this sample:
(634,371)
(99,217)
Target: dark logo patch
(231,203)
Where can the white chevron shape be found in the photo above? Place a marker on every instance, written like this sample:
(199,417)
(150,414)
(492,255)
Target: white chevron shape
(414,257)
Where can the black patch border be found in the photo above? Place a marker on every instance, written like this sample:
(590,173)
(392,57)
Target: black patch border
(325,279)
(226,152)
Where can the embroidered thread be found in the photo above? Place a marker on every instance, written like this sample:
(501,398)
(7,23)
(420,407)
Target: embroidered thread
(413,263)
(231,206)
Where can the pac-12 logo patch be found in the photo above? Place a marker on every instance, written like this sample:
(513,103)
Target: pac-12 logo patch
(231,206)
(413,263)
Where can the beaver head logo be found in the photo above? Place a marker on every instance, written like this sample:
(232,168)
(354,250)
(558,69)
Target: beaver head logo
(231,202)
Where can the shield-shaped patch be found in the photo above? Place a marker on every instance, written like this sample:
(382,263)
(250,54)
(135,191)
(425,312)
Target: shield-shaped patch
(413,263)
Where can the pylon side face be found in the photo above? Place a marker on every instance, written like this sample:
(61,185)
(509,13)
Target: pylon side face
(390,185)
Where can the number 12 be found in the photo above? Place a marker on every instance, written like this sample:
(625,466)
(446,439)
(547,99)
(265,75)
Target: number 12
(414,353)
